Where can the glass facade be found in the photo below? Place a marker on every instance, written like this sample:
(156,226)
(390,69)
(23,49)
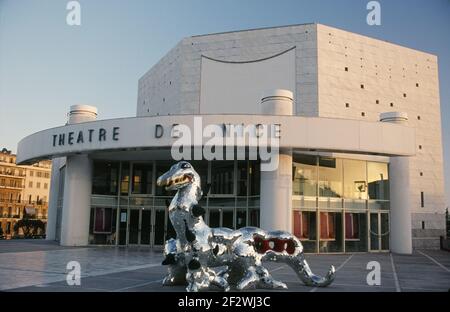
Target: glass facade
(127,208)
(340,205)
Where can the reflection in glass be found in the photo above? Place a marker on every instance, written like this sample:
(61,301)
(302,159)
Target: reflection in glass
(142,178)
(305,229)
(304,176)
(378,180)
(125,178)
(330,177)
(355,180)
(355,232)
(330,232)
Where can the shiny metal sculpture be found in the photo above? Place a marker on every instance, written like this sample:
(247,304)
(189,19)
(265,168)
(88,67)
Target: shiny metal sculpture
(236,255)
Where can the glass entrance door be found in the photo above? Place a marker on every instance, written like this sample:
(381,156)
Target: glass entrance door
(159,227)
(147,227)
(133,227)
(379,231)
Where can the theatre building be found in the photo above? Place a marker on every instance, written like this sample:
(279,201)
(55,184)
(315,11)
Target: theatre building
(358,119)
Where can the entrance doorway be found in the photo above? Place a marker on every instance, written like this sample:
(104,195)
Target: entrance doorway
(379,231)
(142,227)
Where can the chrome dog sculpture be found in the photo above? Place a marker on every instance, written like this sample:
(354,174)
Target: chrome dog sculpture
(237,255)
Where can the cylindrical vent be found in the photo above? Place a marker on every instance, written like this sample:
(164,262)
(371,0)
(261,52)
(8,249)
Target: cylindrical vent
(277,102)
(82,113)
(395,117)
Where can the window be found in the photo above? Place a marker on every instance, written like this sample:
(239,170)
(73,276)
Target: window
(305,225)
(346,69)
(142,178)
(38,185)
(417,84)
(45,186)
(422,200)
(377,101)
(39,174)
(104,179)
(418,117)
(222,177)
(378,180)
(330,177)
(420,147)
(363,114)
(31,173)
(30,184)
(355,185)
(421,174)
(392,104)
(423,225)
(305,175)
(404,94)
(347,105)
(242,178)
(362,86)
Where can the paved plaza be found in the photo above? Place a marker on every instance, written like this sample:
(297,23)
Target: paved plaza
(38,265)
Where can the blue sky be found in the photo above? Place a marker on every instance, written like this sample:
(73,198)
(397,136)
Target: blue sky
(46,65)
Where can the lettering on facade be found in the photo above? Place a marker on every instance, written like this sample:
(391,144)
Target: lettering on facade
(85,136)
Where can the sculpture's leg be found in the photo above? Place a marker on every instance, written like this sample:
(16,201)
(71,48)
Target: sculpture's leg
(303,271)
(176,276)
(220,280)
(267,281)
(249,280)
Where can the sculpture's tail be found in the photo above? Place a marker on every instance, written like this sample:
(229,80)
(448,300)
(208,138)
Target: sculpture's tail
(303,271)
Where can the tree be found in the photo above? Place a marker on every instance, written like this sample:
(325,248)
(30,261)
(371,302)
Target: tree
(30,227)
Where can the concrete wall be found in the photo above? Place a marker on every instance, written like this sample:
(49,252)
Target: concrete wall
(390,74)
(182,66)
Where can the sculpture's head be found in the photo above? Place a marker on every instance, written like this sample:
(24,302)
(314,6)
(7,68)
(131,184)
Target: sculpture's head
(179,176)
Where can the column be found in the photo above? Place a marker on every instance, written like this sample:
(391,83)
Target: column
(77,187)
(77,201)
(53,200)
(400,194)
(276,185)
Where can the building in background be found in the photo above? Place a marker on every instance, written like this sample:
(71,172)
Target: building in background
(24,191)
(361,167)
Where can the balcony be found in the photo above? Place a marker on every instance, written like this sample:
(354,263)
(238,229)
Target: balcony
(12,174)
(24,202)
